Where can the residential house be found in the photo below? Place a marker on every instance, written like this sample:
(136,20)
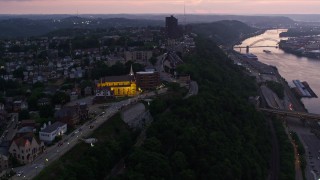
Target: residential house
(27,123)
(25,147)
(88,91)
(102,95)
(73,96)
(4,162)
(3,114)
(49,133)
(68,115)
(4,155)
(20,105)
(138,56)
(44,102)
(83,111)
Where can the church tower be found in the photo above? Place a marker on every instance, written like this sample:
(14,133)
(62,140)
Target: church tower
(131,71)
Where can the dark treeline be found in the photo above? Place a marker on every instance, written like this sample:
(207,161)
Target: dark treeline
(224,32)
(23,27)
(214,135)
(286,151)
(306,31)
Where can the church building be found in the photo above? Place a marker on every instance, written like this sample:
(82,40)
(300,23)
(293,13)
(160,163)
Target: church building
(119,85)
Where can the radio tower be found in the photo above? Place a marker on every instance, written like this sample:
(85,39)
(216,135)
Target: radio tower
(184,12)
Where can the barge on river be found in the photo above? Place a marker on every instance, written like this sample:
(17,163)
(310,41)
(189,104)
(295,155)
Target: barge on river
(303,89)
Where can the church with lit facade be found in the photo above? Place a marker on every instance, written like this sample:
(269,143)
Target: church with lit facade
(118,86)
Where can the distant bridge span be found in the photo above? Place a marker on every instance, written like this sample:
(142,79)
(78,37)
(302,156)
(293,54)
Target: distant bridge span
(253,44)
(264,39)
(296,114)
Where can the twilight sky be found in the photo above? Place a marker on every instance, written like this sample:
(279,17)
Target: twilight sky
(159,6)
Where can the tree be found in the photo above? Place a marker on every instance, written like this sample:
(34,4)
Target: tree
(277,88)
(38,85)
(152,144)
(18,73)
(33,103)
(46,111)
(24,114)
(179,160)
(60,98)
(153,60)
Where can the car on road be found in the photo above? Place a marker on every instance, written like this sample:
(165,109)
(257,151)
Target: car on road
(311,162)
(76,131)
(19,173)
(91,127)
(60,144)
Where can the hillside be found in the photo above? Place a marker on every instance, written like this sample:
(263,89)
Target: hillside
(261,20)
(21,27)
(214,135)
(223,32)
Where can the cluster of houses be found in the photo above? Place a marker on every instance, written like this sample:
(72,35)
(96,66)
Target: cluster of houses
(28,139)
(44,59)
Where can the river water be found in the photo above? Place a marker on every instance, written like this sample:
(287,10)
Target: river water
(289,66)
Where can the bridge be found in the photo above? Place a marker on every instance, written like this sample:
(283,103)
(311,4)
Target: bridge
(302,115)
(253,44)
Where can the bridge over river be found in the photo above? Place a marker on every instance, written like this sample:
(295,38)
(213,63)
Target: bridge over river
(253,44)
(301,115)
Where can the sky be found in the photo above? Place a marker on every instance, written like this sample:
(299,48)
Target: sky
(159,6)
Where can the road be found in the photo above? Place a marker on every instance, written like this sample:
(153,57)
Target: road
(309,116)
(295,102)
(311,144)
(159,66)
(11,129)
(55,152)
(193,89)
(271,98)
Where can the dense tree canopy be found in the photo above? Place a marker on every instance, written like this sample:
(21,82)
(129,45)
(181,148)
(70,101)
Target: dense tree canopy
(214,135)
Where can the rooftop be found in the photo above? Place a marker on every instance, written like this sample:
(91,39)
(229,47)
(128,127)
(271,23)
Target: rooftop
(24,138)
(117,78)
(53,127)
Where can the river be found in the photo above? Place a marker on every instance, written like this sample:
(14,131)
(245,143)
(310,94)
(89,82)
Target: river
(289,66)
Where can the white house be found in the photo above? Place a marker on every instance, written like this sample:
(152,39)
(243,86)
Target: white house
(49,133)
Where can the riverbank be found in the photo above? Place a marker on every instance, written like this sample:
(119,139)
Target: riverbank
(297,52)
(241,39)
(296,102)
(289,66)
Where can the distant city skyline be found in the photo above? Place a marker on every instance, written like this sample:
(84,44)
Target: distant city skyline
(159,6)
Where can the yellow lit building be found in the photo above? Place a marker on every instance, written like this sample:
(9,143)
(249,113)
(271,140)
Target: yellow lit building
(120,85)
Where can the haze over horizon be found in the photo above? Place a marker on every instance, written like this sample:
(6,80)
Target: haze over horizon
(159,6)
